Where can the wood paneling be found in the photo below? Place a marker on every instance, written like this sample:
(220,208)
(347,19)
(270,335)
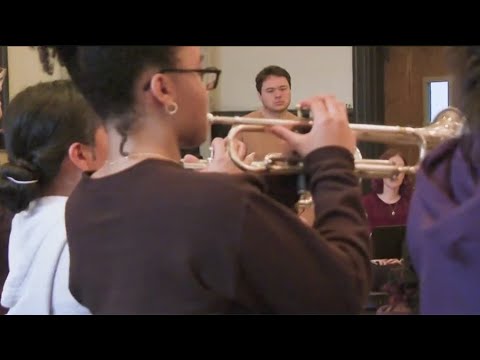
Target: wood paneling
(405,69)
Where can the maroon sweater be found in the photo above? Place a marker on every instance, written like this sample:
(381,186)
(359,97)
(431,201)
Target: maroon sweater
(383,214)
(159,239)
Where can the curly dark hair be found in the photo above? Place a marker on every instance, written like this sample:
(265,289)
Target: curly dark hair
(106,75)
(272,70)
(406,187)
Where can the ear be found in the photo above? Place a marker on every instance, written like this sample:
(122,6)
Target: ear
(260,96)
(82,156)
(162,89)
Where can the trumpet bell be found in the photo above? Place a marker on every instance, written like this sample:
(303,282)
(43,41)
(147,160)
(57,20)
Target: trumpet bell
(448,123)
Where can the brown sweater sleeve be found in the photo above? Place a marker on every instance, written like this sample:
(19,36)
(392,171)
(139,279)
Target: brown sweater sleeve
(293,268)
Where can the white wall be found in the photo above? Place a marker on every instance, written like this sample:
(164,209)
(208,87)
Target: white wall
(314,70)
(24,69)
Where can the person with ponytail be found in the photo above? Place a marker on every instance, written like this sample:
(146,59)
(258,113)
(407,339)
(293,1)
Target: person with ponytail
(443,225)
(51,137)
(184,242)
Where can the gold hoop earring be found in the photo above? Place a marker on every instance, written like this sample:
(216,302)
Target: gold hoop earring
(172,108)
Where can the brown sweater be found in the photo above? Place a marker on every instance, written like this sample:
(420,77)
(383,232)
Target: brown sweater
(159,239)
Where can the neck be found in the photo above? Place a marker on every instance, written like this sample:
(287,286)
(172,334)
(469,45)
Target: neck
(269,114)
(63,184)
(390,194)
(149,139)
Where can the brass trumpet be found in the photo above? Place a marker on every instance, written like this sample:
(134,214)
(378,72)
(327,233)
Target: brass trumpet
(449,123)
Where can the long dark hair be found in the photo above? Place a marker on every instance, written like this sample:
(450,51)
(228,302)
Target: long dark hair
(40,124)
(106,76)
(406,188)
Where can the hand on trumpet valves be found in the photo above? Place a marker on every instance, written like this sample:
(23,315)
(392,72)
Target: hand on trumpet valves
(220,161)
(330,127)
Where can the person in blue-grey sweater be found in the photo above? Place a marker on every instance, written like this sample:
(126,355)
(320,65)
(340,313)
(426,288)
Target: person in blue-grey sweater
(443,225)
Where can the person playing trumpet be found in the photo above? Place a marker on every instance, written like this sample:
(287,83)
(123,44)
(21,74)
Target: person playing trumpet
(186,242)
(273,84)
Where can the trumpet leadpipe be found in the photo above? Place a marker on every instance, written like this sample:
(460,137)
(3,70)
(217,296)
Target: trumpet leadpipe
(238,120)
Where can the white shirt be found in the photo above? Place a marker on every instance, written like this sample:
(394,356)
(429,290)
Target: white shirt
(39,260)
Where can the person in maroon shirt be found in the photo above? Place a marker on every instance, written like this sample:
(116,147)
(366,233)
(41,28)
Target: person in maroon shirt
(387,203)
(147,236)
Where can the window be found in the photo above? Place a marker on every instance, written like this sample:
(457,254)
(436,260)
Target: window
(437,96)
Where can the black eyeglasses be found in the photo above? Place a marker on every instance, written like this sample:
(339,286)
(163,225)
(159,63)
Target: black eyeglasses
(210,76)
